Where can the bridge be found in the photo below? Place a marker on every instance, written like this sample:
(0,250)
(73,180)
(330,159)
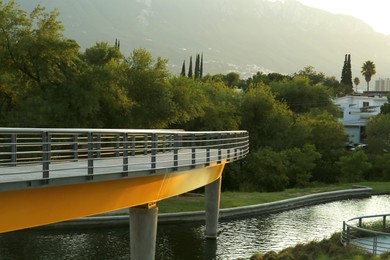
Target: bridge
(53,175)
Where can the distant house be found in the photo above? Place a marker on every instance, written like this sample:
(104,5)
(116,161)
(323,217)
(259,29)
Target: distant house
(357,110)
(382,84)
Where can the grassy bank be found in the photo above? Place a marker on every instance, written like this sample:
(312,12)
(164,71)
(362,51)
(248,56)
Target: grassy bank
(327,249)
(195,202)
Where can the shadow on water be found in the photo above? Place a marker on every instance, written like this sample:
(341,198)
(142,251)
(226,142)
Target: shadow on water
(237,238)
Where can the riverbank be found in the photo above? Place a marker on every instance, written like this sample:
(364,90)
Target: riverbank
(121,218)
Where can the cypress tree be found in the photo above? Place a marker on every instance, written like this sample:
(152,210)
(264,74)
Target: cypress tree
(346,74)
(183,69)
(190,68)
(343,72)
(117,44)
(349,72)
(201,67)
(197,63)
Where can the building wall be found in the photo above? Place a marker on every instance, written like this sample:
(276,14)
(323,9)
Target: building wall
(357,110)
(353,133)
(382,84)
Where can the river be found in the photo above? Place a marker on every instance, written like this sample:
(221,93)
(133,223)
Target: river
(237,238)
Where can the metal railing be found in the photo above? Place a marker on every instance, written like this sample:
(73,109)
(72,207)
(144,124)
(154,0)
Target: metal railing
(372,236)
(35,156)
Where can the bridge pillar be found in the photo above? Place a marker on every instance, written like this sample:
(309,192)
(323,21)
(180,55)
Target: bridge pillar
(143,231)
(213,194)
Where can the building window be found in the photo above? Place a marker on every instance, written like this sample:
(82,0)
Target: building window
(365,106)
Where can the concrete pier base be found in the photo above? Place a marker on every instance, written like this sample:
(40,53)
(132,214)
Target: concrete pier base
(143,231)
(212,199)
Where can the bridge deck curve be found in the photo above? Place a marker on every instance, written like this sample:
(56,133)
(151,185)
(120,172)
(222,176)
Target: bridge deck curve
(52,175)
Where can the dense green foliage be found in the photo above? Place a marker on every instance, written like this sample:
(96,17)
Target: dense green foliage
(295,137)
(330,248)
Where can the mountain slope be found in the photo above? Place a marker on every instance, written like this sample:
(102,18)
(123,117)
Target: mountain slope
(245,36)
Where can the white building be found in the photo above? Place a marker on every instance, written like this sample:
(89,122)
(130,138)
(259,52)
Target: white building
(382,84)
(357,109)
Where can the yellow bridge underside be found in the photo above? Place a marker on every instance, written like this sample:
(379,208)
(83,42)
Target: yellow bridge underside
(21,209)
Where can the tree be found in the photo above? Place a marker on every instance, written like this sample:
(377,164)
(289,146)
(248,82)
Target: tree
(183,69)
(232,79)
(146,84)
(101,54)
(310,73)
(377,132)
(201,67)
(302,97)
(356,80)
(385,108)
(267,120)
(197,67)
(219,105)
(190,68)
(265,171)
(354,166)
(381,168)
(299,164)
(35,47)
(328,136)
(184,92)
(368,70)
(346,75)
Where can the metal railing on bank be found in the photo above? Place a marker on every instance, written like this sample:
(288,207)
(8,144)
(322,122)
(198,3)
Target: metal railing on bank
(370,233)
(38,156)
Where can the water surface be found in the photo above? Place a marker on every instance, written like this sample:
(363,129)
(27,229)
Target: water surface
(237,238)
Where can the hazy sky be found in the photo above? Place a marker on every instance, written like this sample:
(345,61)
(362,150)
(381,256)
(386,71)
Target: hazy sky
(373,12)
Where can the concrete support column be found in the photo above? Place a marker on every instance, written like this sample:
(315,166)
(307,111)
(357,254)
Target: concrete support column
(143,231)
(213,194)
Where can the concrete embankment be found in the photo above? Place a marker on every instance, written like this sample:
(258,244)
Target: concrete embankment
(121,218)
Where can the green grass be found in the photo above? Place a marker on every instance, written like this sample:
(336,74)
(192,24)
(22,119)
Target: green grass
(327,249)
(186,203)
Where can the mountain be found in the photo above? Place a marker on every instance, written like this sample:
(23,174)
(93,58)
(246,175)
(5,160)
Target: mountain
(234,35)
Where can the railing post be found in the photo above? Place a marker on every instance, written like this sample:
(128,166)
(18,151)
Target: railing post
(133,145)
(45,155)
(193,151)
(348,234)
(375,245)
(75,148)
(384,223)
(164,145)
(117,146)
(154,138)
(242,136)
(219,142)
(360,222)
(228,146)
(14,149)
(145,144)
(237,140)
(208,150)
(176,151)
(98,145)
(125,155)
(90,154)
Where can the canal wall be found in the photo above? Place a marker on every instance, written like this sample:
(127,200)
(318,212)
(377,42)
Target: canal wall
(121,218)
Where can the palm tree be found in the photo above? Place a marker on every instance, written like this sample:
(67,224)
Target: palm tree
(357,82)
(368,70)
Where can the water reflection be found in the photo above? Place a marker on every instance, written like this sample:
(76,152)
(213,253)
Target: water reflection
(237,238)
